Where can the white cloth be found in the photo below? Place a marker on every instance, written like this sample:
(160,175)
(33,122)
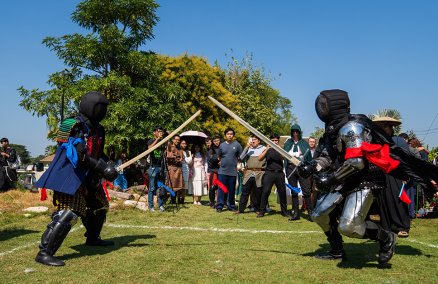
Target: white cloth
(186,163)
(199,178)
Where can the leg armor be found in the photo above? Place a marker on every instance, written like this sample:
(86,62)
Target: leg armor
(93,222)
(54,235)
(356,207)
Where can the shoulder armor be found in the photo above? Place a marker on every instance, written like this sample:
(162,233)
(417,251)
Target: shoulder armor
(353,134)
(65,129)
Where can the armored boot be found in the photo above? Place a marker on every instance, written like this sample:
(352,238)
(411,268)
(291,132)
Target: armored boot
(387,242)
(52,238)
(386,239)
(336,248)
(93,222)
(295,208)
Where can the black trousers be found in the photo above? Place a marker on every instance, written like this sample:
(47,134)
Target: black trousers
(212,189)
(248,187)
(269,179)
(305,183)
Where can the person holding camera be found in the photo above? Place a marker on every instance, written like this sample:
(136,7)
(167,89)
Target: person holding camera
(8,156)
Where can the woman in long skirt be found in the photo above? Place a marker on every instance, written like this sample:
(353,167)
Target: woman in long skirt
(199,177)
(186,164)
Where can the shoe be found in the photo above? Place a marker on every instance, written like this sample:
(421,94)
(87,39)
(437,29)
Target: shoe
(295,216)
(403,234)
(237,212)
(252,209)
(162,209)
(286,214)
(331,255)
(387,249)
(47,259)
(218,210)
(151,210)
(98,242)
(194,202)
(199,203)
(268,210)
(260,214)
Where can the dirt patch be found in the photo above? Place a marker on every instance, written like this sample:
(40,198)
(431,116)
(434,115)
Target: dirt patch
(16,200)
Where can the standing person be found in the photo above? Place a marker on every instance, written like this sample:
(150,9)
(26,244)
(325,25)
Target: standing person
(296,146)
(312,145)
(79,160)
(398,215)
(154,172)
(212,169)
(274,174)
(314,193)
(412,188)
(229,153)
(186,164)
(120,182)
(174,159)
(252,175)
(199,176)
(7,156)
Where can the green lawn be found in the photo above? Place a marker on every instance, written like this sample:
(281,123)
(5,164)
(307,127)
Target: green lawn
(197,244)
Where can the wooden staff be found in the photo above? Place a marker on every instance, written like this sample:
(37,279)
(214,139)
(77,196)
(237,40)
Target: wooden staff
(277,148)
(138,157)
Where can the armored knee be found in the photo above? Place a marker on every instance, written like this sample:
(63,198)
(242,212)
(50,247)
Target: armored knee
(322,220)
(351,228)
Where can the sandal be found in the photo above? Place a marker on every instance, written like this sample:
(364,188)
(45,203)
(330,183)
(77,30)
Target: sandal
(403,234)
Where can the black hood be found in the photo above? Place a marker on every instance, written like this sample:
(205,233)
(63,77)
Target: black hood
(93,106)
(333,108)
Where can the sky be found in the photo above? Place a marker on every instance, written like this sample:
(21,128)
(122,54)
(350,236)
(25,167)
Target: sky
(384,53)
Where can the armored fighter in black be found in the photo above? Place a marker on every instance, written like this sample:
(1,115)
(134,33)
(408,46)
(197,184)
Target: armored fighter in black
(75,177)
(348,167)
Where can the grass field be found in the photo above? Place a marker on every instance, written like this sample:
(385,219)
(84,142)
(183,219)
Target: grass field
(196,244)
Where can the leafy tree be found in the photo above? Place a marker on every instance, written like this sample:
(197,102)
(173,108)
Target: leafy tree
(261,105)
(22,152)
(198,80)
(318,132)
(393,113)
(108,60)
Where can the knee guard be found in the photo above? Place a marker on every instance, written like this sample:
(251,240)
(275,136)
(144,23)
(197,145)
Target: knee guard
(57,230)
(356,207)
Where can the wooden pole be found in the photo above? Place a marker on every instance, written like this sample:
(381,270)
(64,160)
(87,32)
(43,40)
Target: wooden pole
(277,148)
(148,151)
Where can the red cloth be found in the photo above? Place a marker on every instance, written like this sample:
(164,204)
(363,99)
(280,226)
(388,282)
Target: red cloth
(104,185)
(43,194)
(376,154)
(219,184)
(404,196)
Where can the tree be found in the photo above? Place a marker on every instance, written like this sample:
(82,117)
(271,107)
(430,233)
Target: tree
(198,80)
(22,152)
(318,132)
(261,105)
(108,60)
(393,113)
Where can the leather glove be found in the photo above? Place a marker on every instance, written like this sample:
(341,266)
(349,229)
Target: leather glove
(324,181)
(108,172)
(306,169)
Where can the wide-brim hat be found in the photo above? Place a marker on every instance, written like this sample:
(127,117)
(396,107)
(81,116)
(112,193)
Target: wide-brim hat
(387,120)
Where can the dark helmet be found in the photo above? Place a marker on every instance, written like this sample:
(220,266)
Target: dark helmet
(333,108)
(93,106)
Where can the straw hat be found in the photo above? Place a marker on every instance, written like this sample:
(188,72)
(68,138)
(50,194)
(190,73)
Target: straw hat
(387,120)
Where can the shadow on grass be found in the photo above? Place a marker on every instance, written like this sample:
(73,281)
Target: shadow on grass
(364,255)
(13,233)
(119,242)
(273,251)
